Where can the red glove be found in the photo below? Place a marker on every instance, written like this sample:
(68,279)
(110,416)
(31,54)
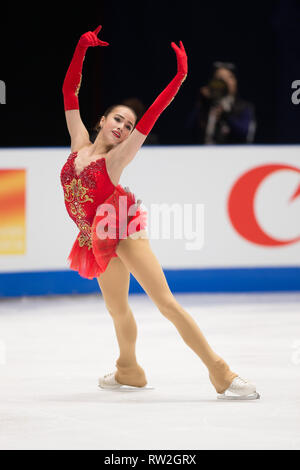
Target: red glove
(167,95)
(73,77)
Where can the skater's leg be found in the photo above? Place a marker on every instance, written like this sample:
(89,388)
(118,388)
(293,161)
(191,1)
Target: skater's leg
(114,285)
(139,259)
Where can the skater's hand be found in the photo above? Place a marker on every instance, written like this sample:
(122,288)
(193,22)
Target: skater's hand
(182,66)
(90,39)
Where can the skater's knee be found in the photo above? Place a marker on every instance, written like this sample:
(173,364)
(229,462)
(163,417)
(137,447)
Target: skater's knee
(118,309)
(170,308)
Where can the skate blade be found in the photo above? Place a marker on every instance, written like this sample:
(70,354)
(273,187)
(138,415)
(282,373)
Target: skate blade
(127,388)
(252,396)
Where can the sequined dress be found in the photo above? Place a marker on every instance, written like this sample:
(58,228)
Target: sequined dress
(103,212)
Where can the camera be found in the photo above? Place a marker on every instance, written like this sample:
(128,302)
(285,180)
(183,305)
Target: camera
(218,89)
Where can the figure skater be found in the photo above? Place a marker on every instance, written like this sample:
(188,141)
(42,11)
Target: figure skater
(90,180)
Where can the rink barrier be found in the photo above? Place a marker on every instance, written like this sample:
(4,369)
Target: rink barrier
(40,283)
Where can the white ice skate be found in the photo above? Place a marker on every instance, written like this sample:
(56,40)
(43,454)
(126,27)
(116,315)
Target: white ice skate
(109,382)
(240,389)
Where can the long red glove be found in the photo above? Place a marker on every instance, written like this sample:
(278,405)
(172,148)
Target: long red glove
(167,95)
(73,77)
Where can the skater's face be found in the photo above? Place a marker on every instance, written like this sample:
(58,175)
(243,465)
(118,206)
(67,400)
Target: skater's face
(117,125)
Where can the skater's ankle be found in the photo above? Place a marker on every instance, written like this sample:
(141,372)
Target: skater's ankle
(127,364)
(133,375)
(134,380)
(220,375)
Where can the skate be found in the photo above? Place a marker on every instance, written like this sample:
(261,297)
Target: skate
(109,382)
(240,389)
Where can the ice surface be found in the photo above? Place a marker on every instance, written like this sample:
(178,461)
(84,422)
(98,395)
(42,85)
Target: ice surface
(52,351)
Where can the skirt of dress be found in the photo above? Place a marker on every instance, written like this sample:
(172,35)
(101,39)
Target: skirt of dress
(118,217)
(82,260)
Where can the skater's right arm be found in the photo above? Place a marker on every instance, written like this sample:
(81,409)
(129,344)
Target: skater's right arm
(77,130)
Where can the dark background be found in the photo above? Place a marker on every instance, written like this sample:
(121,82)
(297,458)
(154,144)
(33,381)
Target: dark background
(38,41)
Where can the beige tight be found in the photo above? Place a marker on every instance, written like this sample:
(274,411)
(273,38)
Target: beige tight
(137,257)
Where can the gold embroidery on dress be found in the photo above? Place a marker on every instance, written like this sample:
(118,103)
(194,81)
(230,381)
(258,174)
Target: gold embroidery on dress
(75,191)
(76,195)
(85,233)
(85,240)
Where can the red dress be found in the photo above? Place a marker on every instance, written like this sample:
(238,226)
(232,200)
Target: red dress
(103,212)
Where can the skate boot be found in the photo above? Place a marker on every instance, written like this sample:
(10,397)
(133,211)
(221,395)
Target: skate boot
(109,382)
(239,389)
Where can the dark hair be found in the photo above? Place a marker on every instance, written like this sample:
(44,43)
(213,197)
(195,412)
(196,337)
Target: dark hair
(96,128)
(225,65)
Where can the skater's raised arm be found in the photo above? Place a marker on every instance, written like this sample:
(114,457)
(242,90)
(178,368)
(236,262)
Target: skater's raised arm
(126,151)
(78,132)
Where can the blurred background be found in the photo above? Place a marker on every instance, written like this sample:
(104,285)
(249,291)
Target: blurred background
(38,41)
(234,121)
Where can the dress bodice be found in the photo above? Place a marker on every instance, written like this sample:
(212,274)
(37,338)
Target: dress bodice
(83,193)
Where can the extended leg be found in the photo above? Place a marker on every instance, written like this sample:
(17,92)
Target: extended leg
(139,259)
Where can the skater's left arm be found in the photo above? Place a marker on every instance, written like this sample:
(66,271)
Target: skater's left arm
(124,153)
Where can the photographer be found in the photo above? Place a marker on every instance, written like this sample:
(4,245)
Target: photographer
(220,116)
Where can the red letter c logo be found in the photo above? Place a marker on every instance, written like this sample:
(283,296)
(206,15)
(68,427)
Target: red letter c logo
(241,205)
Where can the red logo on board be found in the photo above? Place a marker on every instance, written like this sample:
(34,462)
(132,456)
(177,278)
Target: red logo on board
(240,205)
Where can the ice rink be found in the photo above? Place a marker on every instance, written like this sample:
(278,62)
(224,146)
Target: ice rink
(52,351)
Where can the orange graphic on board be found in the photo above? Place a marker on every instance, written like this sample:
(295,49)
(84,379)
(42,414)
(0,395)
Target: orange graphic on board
(12,211)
